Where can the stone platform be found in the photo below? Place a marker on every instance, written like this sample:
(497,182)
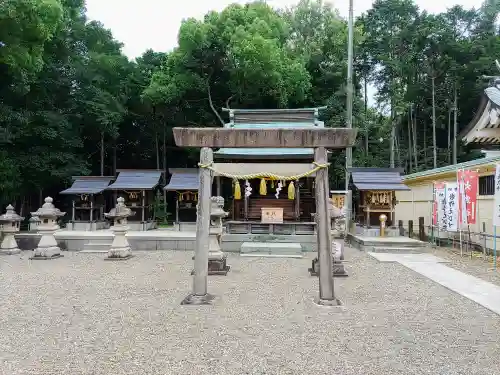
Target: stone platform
(271,250)
(100,241)
(397,244)
(375,231)
(160,239)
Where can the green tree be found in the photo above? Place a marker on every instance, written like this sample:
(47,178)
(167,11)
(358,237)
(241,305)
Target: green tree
(237,55)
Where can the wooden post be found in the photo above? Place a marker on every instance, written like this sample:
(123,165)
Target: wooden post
(484,246)
(326,286)
(297,201)
(165,205)
(200,273)
(410,228)
(421,229)
(367,208)
(91,209)
(177,209)
(393,209)
(245,202)
(143,205)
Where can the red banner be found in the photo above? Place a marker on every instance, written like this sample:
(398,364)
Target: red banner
(470,182)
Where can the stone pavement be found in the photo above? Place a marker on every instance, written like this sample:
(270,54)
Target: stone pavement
(484,293)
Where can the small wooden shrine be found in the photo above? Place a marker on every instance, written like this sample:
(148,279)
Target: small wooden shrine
(338,198)
(374,193)
(88,203)
(138,187)
(264,199)
(184,182)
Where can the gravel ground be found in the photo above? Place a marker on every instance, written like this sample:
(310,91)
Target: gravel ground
(82,315)
(474,266)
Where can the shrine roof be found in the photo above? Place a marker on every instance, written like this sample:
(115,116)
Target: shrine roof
(441,172)
(378,179)
(88,185)
(183,179)
(272,152)
(292,118)
(136,179)
(484,128)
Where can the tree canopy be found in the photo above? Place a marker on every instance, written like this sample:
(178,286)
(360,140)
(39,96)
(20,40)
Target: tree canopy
(72,104)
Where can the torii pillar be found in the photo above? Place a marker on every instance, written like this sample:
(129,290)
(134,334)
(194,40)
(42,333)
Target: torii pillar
(320,139)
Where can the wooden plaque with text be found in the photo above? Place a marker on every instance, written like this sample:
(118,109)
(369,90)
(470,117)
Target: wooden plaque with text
(272,215)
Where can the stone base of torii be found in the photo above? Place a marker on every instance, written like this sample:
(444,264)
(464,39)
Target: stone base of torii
(320,139)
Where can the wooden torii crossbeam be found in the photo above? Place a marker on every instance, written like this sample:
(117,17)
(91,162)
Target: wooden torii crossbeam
(320,139)
(332,138)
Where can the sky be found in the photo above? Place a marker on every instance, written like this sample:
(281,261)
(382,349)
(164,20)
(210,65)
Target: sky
(154,24)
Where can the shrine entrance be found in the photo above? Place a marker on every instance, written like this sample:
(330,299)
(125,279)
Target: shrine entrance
(320,139)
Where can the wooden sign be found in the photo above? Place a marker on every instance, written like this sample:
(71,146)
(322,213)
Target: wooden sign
(272,215)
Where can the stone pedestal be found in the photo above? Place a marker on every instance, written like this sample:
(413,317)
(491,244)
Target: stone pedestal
(338,268)
(120,248)
(216,258)
(47,247)
(9,225)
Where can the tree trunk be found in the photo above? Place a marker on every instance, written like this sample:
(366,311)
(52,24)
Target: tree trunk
(393,136)
(102,153)
(114,159)
(23,205)
(425,146)
(455,124)
(397,142)
(165,168)
(410,156)
(433,79)
(449,136)
(414,128)
(366,121)
(157,148)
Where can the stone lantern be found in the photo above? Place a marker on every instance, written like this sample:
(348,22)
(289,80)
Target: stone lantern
(216,258)
(9,225)
(120,248)
(338,268)
(34,223)
(47,247)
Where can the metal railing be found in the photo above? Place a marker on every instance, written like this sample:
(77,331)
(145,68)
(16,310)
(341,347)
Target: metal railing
(466,242)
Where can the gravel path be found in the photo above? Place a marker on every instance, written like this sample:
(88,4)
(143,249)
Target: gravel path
(82,315)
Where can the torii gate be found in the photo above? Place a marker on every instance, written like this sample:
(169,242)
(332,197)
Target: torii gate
(320,139)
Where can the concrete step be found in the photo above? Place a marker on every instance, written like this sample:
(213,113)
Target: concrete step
(96,247)
(396,250)
(271,250)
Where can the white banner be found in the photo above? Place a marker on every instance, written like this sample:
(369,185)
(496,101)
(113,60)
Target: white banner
(496,209)
(463,202)
(441,208)
(452,206)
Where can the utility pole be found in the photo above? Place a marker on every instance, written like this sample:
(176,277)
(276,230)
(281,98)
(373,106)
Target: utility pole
(348,155)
